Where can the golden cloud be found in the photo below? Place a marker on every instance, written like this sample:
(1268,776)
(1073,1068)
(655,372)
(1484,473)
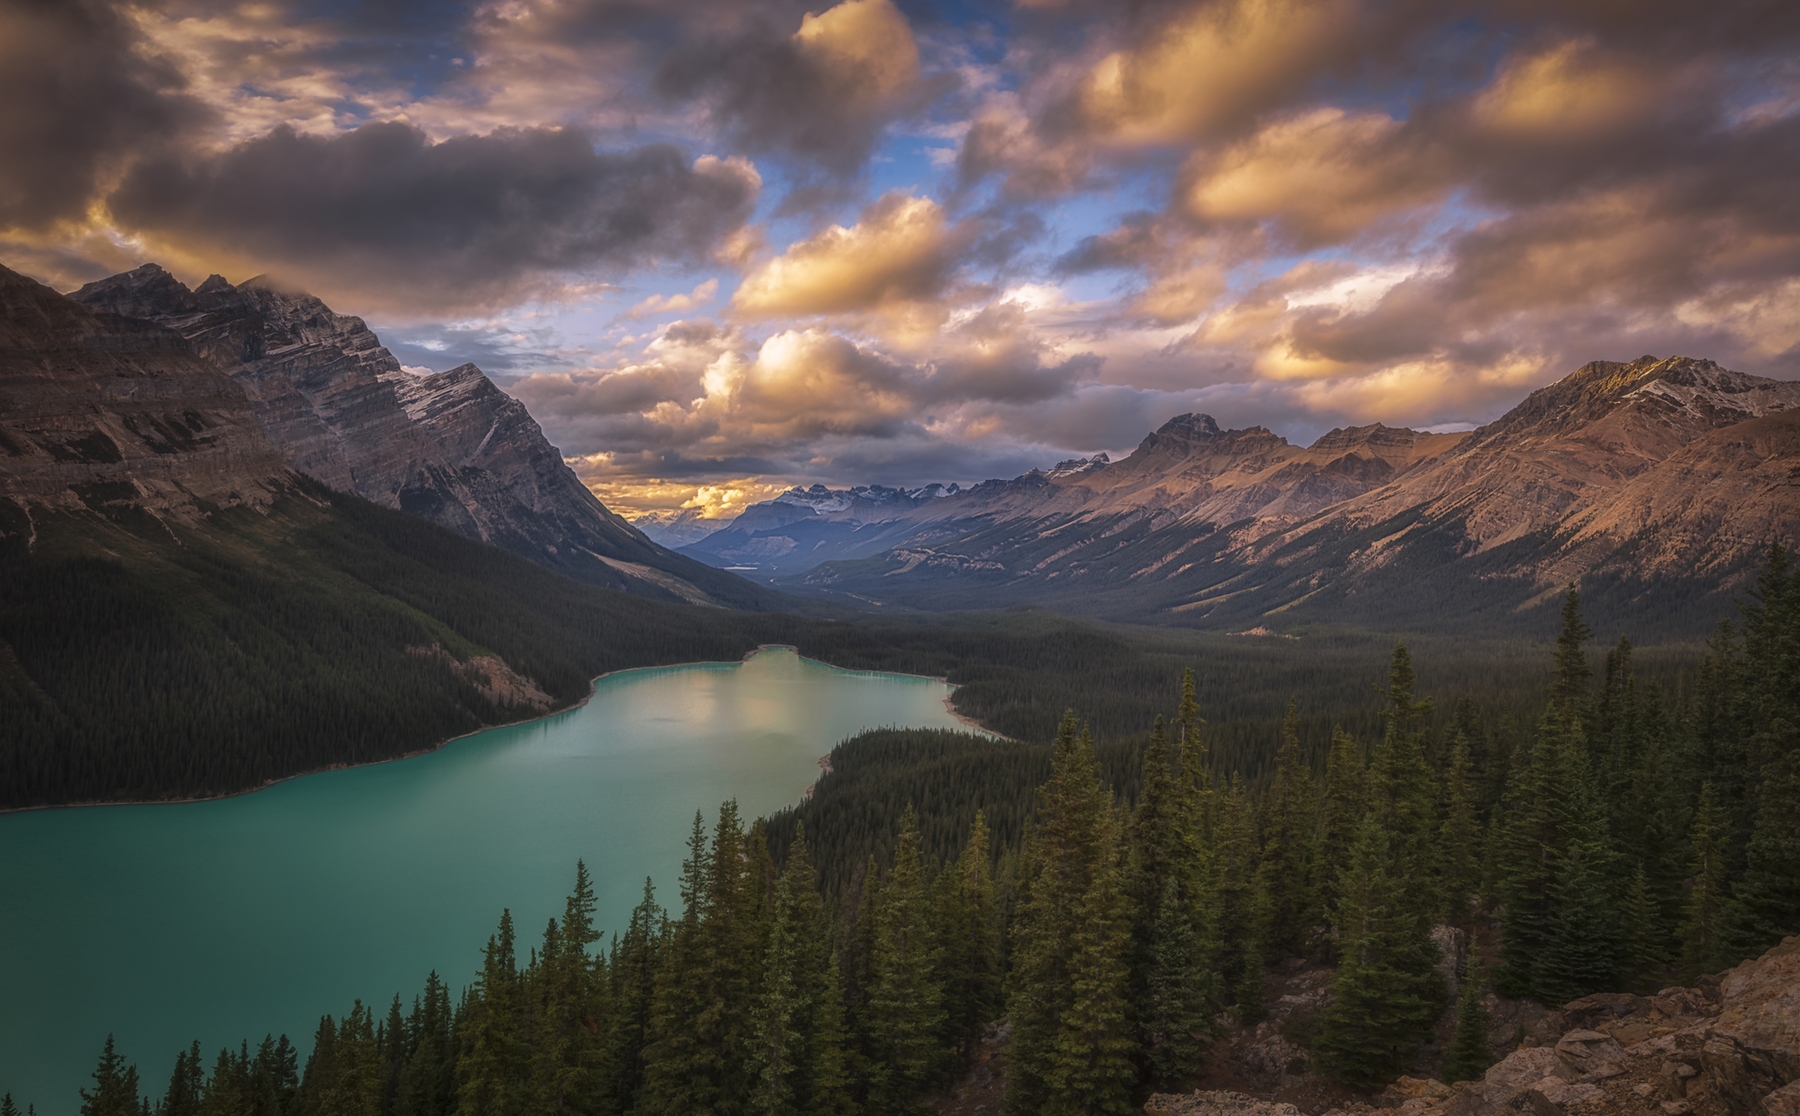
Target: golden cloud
(809,380)
(867,44)
(1573,90)
(1323,176)
(1210,68)
(901,251)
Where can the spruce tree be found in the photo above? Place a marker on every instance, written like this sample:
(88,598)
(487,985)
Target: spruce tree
(1548,798)
(185,1083)
(492,1067)
(7,1107)
(1402,794)
(1092,1070)
(1765,903)
(569,1016)
(1469,1056)
(904,1012)
(829,1079)
(115,1090)
(1387,989)
(1342,804)
(636,960)
(1701,947)
(1180,996)
(780,1016)
(1584,939)
(680,1074)
(1233,892)
(1646,952)
(428,1083)
(1288,908)
(1459,838)
(1062,853)
(969,945)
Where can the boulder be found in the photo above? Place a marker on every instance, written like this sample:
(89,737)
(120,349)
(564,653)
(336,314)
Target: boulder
(1784,1101)
(1553,1096)
(1596,1055)
(1753,1048)
(1591,1012)
(1224,1103)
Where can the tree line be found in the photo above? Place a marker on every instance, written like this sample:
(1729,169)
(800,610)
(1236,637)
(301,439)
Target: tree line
(1627,842)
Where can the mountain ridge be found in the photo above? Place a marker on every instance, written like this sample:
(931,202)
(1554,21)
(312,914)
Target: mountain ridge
(1670,472)
(450,447)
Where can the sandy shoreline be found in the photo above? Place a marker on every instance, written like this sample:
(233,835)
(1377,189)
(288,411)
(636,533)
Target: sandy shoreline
(593,688)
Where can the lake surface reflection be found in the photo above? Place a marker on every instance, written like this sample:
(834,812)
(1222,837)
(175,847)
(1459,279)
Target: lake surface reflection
(229,919)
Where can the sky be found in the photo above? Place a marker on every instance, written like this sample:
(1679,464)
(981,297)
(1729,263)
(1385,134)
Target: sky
(719,247)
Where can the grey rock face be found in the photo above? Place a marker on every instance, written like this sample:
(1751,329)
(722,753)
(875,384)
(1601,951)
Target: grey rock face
(450,447)
(104,412)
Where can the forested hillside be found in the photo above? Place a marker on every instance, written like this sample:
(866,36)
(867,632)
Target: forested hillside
(1630,838)
(147,658)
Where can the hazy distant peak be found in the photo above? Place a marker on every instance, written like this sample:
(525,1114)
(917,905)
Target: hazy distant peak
(1076,466)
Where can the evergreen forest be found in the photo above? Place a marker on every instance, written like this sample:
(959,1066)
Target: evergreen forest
(941,897)
(143,660)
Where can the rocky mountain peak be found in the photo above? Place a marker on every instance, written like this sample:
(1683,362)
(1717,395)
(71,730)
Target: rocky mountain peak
(143,292)
(1345,438)
(452,448)
(1192,427)
(105,413)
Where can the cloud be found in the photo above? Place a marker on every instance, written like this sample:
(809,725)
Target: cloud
(384,215)
(1321,176)
(901,250)
(675,303)
(821,94)
(1213,66)
(77,100)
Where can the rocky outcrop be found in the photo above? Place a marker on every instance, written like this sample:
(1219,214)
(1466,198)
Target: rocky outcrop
(1220,1103)
(108,413)
(1729,1047)
(450,447)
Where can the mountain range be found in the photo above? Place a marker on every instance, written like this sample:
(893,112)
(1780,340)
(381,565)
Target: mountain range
(1655,484)
(449,447)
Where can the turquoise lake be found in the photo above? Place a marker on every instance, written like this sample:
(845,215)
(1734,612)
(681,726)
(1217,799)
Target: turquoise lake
(229,919)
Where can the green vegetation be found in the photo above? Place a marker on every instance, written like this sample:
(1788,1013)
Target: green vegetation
(148,659)
(1110,934)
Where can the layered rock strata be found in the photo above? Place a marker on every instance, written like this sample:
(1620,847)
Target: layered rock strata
(105,412)
(451,447)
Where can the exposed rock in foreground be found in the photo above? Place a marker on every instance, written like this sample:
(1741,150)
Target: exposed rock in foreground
(1729,1047)
(449,447)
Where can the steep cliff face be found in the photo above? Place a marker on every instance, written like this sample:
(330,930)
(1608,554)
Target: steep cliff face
(449,447)
(107,412)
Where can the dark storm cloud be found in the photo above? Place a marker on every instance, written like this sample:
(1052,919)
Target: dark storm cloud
(811,84)
(76,99)
(822,95)
(470,220)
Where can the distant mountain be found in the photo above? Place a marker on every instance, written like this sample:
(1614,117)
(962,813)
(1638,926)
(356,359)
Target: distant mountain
(1656,484)
(803,527)
(676,529)
(451,447)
